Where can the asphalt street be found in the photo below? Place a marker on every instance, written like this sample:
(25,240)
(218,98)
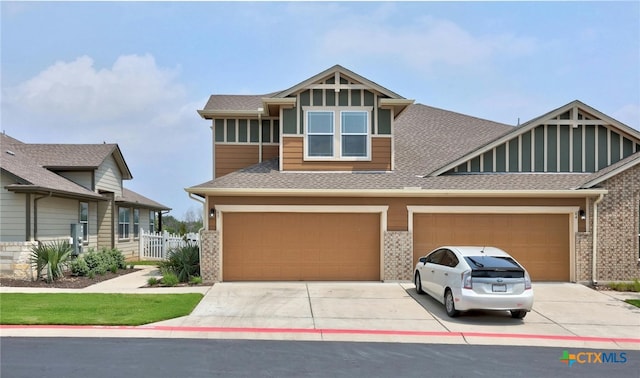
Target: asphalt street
(133,357)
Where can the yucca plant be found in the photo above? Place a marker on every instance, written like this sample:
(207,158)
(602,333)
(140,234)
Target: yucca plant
(52,257)
(184,262)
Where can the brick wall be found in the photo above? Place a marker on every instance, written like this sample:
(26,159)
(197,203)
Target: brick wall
(617,254)
(14,260)
(210,256)
(398,256)
(584,251)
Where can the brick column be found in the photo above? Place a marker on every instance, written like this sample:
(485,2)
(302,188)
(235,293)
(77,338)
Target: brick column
(210,256)
(398,256)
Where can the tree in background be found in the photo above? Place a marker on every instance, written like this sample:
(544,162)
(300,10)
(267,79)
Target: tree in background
(192,223)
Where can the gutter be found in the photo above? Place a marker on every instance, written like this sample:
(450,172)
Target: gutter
(407,192)
(594,270)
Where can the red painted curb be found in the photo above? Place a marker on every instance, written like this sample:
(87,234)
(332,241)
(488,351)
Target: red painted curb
(328,331)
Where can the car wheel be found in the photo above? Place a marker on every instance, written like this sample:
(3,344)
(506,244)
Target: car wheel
(418,283)
(449,304)
(518,314)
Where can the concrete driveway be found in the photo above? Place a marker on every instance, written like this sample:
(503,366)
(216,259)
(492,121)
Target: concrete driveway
(564,314)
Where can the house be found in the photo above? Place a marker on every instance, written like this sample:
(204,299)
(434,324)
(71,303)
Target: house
(339,178)
(45,188)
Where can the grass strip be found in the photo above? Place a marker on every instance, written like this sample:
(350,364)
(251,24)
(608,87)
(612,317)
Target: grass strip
(635,302)
(93,309)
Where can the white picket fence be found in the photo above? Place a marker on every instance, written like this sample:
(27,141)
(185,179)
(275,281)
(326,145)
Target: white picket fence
(156,245)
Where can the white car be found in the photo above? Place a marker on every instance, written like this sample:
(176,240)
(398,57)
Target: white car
(475,278)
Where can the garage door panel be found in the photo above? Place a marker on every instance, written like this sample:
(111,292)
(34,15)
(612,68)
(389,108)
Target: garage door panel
(540,242)
(301,246)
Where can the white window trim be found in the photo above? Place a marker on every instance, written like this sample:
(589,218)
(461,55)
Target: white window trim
(128,223)
(337,132)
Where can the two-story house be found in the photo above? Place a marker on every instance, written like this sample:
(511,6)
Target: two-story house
(339,178)
(45,188)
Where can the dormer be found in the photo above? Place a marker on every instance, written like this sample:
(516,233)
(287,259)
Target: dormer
(334,121)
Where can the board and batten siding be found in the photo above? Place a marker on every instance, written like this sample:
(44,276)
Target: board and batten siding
(12,210)
(109,177)
(556,148)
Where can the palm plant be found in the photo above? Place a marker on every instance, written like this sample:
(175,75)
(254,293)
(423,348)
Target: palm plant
(53,257)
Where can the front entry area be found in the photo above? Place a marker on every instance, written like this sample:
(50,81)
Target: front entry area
(290,246)
(540,242)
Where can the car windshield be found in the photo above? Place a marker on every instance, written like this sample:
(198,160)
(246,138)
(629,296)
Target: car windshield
(492,262)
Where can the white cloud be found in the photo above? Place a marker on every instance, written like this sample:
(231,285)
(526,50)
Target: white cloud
(77,90)
(422,42)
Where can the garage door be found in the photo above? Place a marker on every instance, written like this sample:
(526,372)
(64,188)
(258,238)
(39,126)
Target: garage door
(540,242)
(300,246)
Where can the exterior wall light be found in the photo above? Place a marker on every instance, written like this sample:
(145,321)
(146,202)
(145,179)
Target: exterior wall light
(212,212)
(582,214)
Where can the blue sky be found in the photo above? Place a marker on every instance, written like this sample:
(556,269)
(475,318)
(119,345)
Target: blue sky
(135,73)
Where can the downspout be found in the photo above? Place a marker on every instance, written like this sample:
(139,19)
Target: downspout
(260,135)
(204,219)
(35,215)
(594,279)
(204,210)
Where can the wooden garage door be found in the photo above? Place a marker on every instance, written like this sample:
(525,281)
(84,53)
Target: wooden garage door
(540,242)
(300,246)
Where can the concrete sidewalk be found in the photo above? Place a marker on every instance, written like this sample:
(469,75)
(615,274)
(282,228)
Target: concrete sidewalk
(564,315)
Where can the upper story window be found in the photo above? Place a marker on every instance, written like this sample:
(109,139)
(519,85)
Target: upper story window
(337,134)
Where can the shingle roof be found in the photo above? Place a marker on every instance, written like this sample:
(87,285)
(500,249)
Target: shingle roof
(622,165)
(131,197)
(75,156)
(235,102)
(31,176)
(266,176)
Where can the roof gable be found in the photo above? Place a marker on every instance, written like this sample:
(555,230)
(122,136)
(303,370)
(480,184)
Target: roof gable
(335,78)
(573,138)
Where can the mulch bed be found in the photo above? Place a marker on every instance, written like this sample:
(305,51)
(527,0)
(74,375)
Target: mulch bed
(66,282)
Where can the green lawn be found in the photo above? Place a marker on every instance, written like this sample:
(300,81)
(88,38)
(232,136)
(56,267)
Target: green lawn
(94,309)
(635,302)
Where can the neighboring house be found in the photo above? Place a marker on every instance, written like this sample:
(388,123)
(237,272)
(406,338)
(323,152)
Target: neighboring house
(45,188)
(339,178)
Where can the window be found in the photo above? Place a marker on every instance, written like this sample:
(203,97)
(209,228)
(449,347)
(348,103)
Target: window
(354,133)
(123,223)
(320,133)
(84,221)
(136,223)
(339,134)
(152,221)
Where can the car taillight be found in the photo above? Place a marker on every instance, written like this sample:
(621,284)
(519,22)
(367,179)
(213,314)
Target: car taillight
(527,281)
(466,280)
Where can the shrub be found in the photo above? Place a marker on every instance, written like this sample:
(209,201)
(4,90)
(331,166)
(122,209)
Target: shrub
(626,286)
(53,257)
(195,280)
(170,279)
(184,262)
(92,262)
(152,281)
(79,266)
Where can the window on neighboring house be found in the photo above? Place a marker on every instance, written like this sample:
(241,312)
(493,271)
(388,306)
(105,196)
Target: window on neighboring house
(152,221)
(123,223)
(84,221)
(136,223)
(349,140)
